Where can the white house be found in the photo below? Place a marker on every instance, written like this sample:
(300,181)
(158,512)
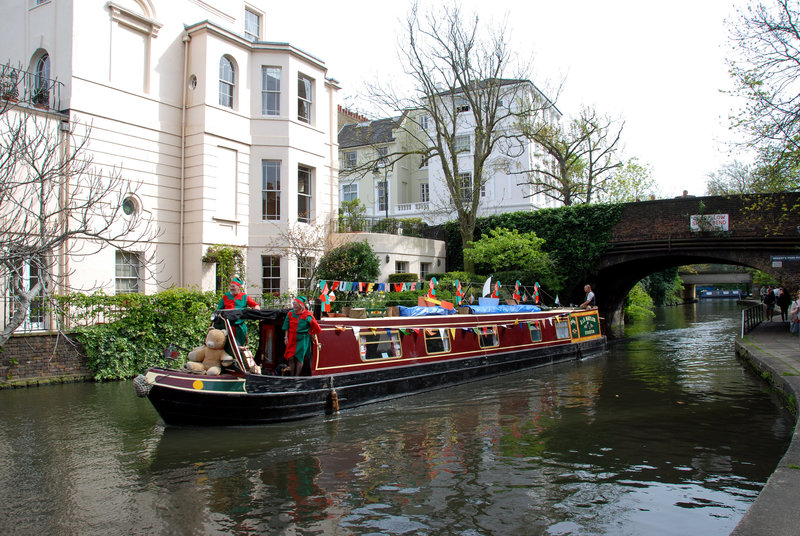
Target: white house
(231,138)
(416,185)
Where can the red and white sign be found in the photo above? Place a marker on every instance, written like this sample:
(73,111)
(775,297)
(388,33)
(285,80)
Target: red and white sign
(708,222)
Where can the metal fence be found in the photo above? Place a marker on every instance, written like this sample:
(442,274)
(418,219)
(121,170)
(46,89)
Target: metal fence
(46,315)
(751,317)
(25,87)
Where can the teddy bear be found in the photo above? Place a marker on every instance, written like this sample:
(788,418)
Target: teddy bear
(210,359)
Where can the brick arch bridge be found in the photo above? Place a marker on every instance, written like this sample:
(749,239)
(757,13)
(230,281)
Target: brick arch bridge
(762,231)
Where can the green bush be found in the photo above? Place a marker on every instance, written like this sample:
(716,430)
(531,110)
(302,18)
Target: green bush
(639,304)
(135,338)
(355,261)
(403,278)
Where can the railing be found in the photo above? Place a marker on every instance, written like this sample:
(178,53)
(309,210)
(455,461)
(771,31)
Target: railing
(17,85)
(51,315)
(751,317)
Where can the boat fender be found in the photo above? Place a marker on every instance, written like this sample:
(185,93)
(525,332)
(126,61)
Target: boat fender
(334,399)
(141,386)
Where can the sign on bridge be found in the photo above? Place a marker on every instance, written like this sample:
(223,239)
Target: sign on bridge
(708,222)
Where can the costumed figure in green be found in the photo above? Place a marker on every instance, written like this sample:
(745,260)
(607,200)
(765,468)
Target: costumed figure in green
(237,299)
(298,327)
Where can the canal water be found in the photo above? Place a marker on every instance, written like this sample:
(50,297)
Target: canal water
(666,433)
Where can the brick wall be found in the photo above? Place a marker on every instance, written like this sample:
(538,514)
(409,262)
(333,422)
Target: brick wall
(669,218)
(41,356)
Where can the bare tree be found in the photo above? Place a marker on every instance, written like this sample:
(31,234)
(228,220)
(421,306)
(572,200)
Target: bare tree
(55,204)
(306,244)
(460,68)
(582,154)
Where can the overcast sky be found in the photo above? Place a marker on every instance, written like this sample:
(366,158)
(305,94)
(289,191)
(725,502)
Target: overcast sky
(660,66)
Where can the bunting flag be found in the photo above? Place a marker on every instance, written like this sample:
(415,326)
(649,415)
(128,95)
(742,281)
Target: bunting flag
(536,292)
(496,293)
(355,329)
(326,299)
(487,287)
(335,285)
(431,288)
(558,302)
(516,295)
(453,333)
(361,286)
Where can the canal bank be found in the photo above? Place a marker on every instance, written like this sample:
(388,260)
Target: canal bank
(772,351)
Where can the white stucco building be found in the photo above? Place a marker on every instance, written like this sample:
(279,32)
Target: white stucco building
(414,187)
(231,138)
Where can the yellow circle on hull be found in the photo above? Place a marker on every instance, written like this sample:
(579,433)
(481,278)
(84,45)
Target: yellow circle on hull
(198,384)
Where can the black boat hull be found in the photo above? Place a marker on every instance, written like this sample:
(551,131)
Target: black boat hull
(270,399)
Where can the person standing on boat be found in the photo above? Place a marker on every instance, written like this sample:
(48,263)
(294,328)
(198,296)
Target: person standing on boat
(237,299)
(298,328)
(589,301)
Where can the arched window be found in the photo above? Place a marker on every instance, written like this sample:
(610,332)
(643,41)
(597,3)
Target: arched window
(41,80)
(227,81)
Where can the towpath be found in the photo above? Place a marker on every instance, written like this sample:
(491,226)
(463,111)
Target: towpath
(775,353)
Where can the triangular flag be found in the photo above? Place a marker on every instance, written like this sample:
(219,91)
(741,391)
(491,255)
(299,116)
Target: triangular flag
(487,287)
(356,330)
(453,333)
(557,302)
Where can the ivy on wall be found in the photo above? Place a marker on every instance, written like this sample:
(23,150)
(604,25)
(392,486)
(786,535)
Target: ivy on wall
(229,260)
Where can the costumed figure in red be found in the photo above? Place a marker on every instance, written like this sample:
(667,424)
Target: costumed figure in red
(237,299)
(298,328)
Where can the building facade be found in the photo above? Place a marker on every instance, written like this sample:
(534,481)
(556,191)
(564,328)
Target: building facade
(412,183)
(229,138)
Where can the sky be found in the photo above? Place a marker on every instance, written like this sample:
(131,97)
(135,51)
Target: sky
(659,66)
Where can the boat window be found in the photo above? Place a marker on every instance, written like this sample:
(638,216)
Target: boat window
(487,336)
(536,331)
(436,341)
(562,329)
(380,344)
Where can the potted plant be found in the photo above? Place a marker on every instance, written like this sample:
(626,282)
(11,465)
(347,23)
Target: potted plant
(8,87)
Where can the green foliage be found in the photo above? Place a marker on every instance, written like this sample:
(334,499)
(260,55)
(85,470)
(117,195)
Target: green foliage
(355,261)
(141,327)
(351,216)
(761,279)
(229,260)
(403,278)
(665,288)
(574,236)
(639,304)
(438,276)
(504,249)
(631,182)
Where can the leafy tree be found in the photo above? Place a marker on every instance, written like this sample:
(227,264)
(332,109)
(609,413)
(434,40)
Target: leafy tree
(460,68)
(351,216)
(638,304)
(766,72)
(631,182)
(583,153)
(664,287)
(355,261)
(505,250)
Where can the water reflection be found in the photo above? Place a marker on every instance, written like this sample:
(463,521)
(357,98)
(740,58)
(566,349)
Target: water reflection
(665,434)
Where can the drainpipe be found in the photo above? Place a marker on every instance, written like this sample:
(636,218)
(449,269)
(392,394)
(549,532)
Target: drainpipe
(181,208)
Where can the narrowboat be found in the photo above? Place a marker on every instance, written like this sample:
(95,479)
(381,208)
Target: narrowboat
(357,361)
